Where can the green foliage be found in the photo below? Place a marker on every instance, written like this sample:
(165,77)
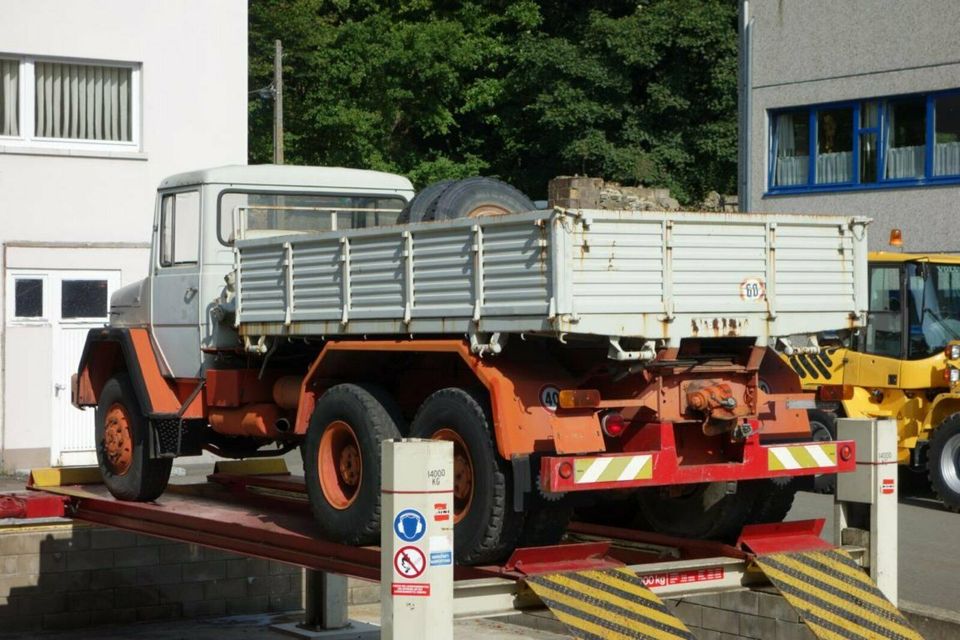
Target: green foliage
(640,92)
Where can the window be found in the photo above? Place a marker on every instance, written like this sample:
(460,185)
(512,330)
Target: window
(83,299)
(28,298)
(885,142)
(272,214)
(69,104)
(883,333)
(180,228)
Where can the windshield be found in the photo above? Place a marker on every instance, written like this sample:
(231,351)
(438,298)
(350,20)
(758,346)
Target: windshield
(257,215)
(933,310)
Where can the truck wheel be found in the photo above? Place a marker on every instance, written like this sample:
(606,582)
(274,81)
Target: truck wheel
(703,510)
(123,445)
(774,500)
(486,527)
(475,197)
(943,462)
(342,464)
(417,208)
(545,524)
(823,428)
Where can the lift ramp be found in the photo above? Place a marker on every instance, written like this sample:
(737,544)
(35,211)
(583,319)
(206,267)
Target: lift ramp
(609,583)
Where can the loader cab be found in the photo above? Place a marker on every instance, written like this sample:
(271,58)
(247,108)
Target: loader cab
(914,305)
(199,217)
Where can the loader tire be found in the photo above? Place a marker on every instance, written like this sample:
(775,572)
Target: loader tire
(122,435)
(342,462)
(703,510)
(417,209)
(476,197)
(943,462)
(486,527)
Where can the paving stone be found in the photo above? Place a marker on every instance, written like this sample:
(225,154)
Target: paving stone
(689,613)
(53,562)
(137,596)
(705,599)
(136,556)
(757,627)
(103,578)
(90,600)
(180,592)
(745,601)
(720,620)
(179,553)
(111,539)
(159,574)
(89,559)
(203,571)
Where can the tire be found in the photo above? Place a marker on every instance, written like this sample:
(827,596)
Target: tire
(342,462)
(486,527)
(545,524)
(704,510)
(123,445)
(474,197)
(943,462)
(823,428)
(774,500)
(417,208)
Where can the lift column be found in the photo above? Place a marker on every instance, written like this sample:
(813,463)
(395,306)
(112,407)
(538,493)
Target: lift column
(866,500)
(416,540)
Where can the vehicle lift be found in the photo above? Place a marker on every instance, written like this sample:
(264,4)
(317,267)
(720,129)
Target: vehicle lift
(256,508)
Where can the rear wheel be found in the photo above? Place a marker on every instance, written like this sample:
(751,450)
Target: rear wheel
(123,445)
(943,462)
(342,462)
(703,510)
(774,500)
(823,428)
(486,527)
(476,197)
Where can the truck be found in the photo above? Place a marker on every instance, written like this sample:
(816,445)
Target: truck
(568,355)
(904,365)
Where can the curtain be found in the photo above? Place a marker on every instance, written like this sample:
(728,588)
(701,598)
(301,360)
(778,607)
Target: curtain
(88,102)
(905,162)
(834,167)
(946,159)
(790,169)
(9,97)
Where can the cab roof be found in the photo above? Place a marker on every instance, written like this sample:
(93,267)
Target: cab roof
(897,257)
(290,176)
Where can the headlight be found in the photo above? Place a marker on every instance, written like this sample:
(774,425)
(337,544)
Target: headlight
(953,351)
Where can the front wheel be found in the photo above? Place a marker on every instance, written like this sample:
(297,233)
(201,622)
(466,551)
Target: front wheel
(943,462)
(486,527)
(122,435)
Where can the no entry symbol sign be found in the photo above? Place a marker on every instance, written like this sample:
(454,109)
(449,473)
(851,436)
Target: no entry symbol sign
(409,562)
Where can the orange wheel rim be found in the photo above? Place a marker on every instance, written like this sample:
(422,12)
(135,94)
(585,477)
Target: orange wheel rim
(462,473)
(118,440)
(488,210)
(339,465)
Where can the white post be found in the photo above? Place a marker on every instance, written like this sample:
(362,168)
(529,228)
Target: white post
(416,540)
(866,500)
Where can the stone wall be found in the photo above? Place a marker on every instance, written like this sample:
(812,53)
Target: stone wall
(67,575)
(581,192)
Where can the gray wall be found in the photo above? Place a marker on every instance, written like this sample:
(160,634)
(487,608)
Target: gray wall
(815,51)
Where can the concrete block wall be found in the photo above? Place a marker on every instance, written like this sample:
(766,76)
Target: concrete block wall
(70,575)
(759,614)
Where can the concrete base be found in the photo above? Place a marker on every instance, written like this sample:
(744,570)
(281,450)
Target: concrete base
(353,631)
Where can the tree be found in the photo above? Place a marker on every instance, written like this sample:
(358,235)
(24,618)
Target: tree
(640,92)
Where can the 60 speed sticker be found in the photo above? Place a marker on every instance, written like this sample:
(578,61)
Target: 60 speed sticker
(409,562)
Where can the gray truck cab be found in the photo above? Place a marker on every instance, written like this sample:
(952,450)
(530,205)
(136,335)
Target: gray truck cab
(198,217)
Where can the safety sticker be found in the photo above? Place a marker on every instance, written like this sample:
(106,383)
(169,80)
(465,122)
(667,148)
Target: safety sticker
(669,578)
(409,589)
(440,558)
(550,397)
(802,456)
(613,469)
(752,289)
(611,603)
(834,596)
(441,512)
(410,525)
(886,486)
(409,562)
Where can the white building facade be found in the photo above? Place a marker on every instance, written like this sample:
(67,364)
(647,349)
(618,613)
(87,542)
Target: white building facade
(99,101)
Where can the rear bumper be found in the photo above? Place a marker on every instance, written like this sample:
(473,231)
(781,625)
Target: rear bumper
(660,468)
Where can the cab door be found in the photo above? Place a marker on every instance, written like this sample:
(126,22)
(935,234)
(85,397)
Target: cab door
(175,282)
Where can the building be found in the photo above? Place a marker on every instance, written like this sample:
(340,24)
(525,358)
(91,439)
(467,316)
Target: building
(99,100)
(854,108)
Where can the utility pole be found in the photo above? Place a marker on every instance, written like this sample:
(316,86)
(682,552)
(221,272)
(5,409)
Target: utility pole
(278,103)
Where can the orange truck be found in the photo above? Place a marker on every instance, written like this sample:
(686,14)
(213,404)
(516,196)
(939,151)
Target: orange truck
(571,356)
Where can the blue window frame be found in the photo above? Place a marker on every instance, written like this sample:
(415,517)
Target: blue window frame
(897,141)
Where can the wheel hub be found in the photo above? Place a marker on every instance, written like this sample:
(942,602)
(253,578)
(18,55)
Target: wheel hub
(118,440)
(463,475)
(339,465)
(950,463)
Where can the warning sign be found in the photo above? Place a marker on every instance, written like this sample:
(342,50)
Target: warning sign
(886,486)
(654,580)
(410,525)
(409,562)
(441,512)
(409,589)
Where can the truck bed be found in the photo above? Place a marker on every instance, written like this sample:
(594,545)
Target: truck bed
(656,275)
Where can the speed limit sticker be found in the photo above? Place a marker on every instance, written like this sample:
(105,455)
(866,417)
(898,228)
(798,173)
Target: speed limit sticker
(550,397)
(752,290)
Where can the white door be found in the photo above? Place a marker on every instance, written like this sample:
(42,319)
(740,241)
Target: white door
(79,301)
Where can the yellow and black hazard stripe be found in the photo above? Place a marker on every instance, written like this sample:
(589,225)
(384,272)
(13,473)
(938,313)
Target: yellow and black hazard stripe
(815,366)
(834,597)
(609,604)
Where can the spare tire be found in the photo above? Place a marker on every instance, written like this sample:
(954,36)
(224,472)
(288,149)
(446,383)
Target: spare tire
(475,197)
(417,208)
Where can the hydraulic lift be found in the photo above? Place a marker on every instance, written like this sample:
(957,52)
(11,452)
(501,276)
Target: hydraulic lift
(258,509)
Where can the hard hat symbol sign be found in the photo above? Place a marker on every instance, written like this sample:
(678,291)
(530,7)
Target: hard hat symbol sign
(409,562)
(410,525)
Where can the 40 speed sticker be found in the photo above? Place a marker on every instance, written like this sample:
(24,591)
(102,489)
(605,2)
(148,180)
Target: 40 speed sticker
(752,290)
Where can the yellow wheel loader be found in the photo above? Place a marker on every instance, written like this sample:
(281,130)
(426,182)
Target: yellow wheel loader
(905,365)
